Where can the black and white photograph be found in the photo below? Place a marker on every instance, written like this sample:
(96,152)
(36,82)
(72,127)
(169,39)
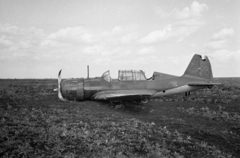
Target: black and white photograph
(120,78)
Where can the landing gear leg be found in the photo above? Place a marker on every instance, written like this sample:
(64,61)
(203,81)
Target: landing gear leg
(187,94)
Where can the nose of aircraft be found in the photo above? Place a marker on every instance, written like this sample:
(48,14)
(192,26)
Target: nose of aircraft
(70,89)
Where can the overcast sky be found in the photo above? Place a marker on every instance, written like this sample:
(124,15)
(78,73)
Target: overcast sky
(40,37)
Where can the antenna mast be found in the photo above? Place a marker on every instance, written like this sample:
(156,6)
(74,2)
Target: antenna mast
(88,71)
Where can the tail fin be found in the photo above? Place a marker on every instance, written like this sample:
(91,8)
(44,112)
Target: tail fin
(199,67)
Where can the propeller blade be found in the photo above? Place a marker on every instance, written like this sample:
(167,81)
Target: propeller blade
(59,87)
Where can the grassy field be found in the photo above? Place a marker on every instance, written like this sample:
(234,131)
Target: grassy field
(34,123)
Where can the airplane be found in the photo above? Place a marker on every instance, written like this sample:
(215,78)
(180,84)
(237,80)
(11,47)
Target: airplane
(133,84)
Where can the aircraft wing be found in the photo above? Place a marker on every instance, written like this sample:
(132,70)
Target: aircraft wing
(123,94)
(203,84)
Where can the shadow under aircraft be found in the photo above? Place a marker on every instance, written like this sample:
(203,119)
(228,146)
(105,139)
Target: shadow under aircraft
(133,84)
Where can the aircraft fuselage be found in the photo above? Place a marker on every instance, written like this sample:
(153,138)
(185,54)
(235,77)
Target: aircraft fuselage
(85,89)
(133,85)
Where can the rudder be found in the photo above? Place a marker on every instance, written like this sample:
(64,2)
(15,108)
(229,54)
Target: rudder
(199,67)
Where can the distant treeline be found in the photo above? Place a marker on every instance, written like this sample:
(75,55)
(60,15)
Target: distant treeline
(234,81)
(47,84)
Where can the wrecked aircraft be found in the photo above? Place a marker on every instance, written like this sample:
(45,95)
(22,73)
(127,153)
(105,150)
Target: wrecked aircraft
(133,84)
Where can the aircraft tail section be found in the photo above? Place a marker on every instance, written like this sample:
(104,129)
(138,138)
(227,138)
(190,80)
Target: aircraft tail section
(199,67)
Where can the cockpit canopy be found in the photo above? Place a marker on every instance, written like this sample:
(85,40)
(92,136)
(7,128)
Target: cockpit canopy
(126,75)
(131,75)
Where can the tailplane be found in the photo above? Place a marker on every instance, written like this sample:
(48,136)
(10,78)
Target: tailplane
(199,67)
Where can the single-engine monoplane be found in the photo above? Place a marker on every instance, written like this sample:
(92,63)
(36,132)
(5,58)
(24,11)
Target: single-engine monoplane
(133,84)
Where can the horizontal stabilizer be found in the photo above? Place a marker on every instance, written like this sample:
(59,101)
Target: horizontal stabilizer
(203,84)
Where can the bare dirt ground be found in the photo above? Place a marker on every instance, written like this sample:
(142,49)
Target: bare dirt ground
(34,123)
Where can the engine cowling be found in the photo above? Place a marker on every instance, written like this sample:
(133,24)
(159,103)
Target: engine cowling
(70,89)
(73,89)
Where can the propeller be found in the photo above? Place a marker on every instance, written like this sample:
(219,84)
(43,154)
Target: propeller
(59,87)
